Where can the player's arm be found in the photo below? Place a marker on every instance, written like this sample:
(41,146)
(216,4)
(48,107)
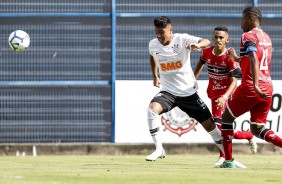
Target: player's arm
(220,102)
(203,43)
(251,50)
(255,70)
(198,69)
(231,88)
(154,67)
(234,74)
(232,54)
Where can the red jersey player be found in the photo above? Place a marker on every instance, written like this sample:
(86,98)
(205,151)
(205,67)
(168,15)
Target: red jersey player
(223,73)
(255,92)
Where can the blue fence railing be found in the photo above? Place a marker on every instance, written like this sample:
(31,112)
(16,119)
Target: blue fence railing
(63,88)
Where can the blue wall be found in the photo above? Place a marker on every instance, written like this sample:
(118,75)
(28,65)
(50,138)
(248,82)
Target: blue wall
(62,89)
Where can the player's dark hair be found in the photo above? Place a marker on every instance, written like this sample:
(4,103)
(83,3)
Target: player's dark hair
(221,28)
(161,21)
(252,12)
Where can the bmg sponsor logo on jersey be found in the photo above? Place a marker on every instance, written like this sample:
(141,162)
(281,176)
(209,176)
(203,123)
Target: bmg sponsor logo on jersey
(170,66)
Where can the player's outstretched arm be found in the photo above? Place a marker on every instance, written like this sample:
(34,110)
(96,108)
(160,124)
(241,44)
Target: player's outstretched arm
(203,43)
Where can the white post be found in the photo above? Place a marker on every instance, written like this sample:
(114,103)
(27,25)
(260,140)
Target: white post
(34,153)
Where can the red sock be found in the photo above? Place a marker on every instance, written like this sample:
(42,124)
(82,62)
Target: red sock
(221,154)
(227,143)
(271,137)
(243,135)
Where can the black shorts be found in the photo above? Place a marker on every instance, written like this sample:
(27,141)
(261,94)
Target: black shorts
(192,105)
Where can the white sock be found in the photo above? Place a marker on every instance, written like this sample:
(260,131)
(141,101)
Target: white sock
(154,126)
(217,138)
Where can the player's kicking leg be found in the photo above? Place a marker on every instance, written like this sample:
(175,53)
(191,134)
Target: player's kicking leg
(219,161)
(239,135)
(154,126)
(250,137)
(221,157)
(159,153)
(231,164)
(253,146)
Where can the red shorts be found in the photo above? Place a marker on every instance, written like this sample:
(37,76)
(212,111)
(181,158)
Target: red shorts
(244,101)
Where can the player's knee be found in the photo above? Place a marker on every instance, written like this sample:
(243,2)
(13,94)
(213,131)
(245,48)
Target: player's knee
(151,114)
(208,124)
(256,130)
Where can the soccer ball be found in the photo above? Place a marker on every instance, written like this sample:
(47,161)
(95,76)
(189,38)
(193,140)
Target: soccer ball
(19,40)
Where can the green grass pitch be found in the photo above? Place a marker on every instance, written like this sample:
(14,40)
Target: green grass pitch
(133,169)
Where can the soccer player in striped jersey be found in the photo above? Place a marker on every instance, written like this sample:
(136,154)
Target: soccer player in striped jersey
(170,57)
(223,73)
(254,95)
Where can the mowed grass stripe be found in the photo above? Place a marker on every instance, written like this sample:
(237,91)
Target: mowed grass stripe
(133,169)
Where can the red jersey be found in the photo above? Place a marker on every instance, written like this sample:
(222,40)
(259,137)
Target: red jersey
(220,69)
(258,40)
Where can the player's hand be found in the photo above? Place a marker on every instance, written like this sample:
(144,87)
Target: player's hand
(193,46)
(261,94)
(220,102)
(157,82)
(231,53)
